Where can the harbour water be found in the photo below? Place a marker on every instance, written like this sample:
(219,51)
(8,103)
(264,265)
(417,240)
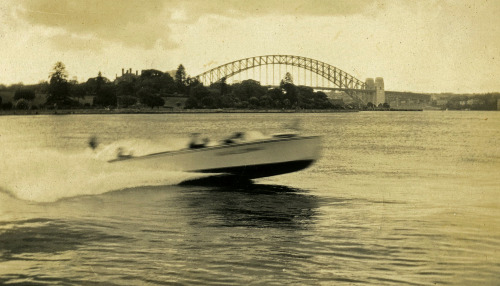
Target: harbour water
(397,198)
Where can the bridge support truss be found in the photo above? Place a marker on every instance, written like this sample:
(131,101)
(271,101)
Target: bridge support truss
(336,76)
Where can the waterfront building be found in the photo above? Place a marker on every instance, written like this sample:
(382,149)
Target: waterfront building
(379,91)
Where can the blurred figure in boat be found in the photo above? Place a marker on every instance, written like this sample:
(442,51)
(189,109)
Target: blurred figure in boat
(93,143)
(237,137)
(120,153)
(197,142)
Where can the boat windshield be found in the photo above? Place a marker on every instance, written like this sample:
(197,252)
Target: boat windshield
(239,137)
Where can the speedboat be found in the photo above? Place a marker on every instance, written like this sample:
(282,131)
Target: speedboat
(238,155)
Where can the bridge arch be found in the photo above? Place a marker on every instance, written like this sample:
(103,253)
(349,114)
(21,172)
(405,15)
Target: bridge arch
(336,76)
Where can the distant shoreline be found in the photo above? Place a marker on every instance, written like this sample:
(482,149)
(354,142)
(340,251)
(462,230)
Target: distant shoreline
(180,111)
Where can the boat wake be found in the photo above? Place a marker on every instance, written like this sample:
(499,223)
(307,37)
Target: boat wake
(47,175)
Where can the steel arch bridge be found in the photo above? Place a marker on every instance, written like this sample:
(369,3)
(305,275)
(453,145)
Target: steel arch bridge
(336,76)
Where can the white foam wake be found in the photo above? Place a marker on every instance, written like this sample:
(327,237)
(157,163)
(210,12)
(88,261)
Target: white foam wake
(45,175)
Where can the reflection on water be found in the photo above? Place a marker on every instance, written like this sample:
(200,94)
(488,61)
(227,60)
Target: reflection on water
(214,235)
(256,205)
(43,236)
(397,199)
(37,245)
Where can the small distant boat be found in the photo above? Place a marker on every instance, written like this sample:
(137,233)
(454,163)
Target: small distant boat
(250,159)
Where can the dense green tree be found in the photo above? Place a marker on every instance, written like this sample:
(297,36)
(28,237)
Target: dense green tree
(307,97)
(242,104)
(250,94)
(41,87)
(247,89)
(152,100)
(223,86)
(266,101)
(7,106)
(161,83)
(286,103)
(151,78)
(180,79)
(22,104)
(276,95)
(191,103)
(58,86)
(228,101)
(100,81)
(78,90)
(209,102)
(144,92)
(26,94)
(148,97)
(290,93)
(203,97)
(151,73)
(288,79)
(94,84)
(198,91)
(168,86)
(191,82)
(127,85)
(254,102)
(126,101)
(105,96)
(321,100)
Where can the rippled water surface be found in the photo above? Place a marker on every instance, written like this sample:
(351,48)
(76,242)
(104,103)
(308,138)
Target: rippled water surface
(408,198)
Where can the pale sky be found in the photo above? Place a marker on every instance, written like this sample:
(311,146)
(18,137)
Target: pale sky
(420,46)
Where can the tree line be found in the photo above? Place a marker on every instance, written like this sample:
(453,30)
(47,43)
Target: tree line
(148,88)
(250,94)
(151,86)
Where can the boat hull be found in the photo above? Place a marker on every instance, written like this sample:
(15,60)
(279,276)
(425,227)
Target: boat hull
(254,159)
(264,170)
